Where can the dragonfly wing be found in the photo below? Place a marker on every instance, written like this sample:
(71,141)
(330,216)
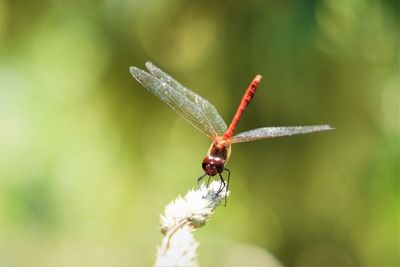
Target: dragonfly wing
(270,132)
(176,100)
(207,108)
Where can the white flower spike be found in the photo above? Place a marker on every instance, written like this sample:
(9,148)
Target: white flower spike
(181,217)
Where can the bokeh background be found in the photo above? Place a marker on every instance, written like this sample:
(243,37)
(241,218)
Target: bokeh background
(89,159)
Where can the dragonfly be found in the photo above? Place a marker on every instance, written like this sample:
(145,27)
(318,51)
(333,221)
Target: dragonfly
(200,113)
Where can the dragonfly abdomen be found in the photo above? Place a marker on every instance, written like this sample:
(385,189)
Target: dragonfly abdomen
(248,95)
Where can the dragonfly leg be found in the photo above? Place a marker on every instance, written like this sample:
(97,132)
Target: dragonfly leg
(201,178)
(222,184)
(227,183)
(208,181)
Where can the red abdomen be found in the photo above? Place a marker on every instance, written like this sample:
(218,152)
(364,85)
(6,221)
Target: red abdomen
(248,95)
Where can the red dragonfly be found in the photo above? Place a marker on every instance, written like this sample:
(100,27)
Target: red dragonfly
(205,118)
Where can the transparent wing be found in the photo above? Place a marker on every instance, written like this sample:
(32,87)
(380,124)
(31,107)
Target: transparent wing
(270,132)
(209,111)
(176,100)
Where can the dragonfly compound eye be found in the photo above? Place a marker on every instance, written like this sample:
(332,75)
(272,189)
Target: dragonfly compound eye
(213,165)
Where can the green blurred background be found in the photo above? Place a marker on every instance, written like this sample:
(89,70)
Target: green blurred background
(89,159)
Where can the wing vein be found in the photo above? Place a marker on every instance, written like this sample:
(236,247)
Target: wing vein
(177,100)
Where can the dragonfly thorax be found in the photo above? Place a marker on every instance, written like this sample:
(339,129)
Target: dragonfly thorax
(213,165)
(220,148)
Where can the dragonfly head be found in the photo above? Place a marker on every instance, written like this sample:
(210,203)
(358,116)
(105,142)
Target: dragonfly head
(213,165)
